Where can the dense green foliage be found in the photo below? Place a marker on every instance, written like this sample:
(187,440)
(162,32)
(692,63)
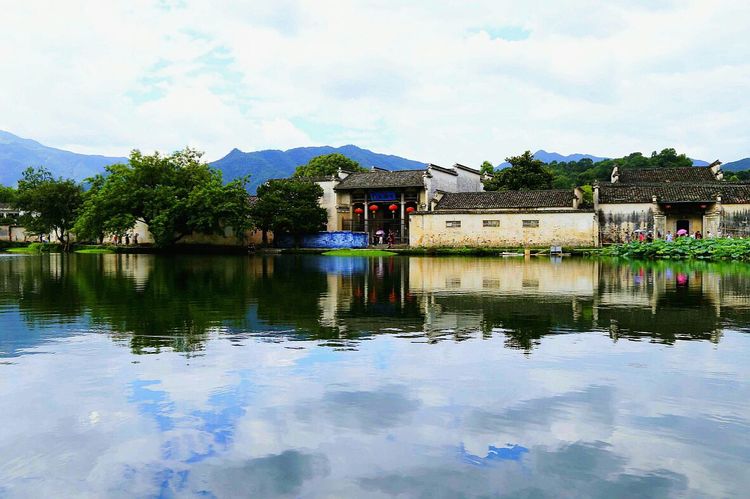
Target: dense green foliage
(7,195)
(175,195)
(524,172)
(684,247)
(585,171)
(327,164)
(51,205)
(289,206)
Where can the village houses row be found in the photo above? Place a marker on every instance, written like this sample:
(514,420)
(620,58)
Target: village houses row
(439,206)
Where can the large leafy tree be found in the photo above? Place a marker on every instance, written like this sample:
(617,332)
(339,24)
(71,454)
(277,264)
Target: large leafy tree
(50,205)
(175,195)
(327,164)
(524,173)
(289,206)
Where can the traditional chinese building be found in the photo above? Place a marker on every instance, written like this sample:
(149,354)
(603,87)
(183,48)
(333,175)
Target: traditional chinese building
(506,219)
(659,200)
(380,199)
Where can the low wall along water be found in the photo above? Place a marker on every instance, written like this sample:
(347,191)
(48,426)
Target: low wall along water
(333,240)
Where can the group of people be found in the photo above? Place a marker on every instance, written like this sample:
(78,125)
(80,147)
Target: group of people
(648,236)
(119,239)
(381,237)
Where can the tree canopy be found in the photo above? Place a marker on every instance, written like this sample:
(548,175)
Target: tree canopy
(289,206)
(524,173)
(50,205)
(327,164)
(175,195)
(7,195)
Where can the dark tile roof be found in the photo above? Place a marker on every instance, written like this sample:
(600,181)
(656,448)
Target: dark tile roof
(675,192)
(652,175)
(558,198)
(382,180)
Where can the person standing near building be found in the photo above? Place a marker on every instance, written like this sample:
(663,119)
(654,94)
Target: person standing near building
(670,238)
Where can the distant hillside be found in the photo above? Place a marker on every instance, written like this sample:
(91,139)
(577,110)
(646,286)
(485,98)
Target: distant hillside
(735,166)
(263,165)
(17,154)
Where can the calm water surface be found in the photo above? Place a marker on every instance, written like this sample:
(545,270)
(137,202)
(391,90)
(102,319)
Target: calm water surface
(143,376)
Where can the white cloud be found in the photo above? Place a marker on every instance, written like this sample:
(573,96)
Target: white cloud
(433,82)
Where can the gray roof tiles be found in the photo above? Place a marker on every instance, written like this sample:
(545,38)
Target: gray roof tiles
(557,198)
(652,175)
(382,180)
(674,192)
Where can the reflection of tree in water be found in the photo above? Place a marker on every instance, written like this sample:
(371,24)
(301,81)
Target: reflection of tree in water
(152,302)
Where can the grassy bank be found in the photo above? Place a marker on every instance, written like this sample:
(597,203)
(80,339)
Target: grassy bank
(683,248)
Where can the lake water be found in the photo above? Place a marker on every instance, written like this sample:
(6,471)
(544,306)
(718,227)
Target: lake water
(312,376)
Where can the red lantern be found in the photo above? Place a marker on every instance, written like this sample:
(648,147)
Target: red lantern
(393,207)
(668,206)
(374,207)
(358,211)
(703,206)
(410,209)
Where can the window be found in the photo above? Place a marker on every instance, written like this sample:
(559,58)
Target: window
(530,223)
(453,223)
(490,223)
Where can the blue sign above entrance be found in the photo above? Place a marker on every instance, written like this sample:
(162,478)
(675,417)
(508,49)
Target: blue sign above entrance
(382,196)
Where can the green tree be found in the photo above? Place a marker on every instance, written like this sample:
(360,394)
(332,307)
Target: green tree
(487,168)
(50,205)
(7,195)
(524,173)
(289,206)
(175,195)
(326,165)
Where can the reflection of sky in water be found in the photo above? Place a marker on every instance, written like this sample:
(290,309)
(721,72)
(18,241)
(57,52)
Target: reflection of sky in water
(444,420)
(585,414)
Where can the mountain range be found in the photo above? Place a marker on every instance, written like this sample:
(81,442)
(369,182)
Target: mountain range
(262,165)
(16,154)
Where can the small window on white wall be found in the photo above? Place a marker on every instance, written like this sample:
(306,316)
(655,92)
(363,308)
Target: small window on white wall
(453,223)
(530,223)
(490,223)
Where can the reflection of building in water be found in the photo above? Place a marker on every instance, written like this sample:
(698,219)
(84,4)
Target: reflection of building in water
(529,299)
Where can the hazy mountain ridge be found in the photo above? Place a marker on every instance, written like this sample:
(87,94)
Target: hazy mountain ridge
(17,154)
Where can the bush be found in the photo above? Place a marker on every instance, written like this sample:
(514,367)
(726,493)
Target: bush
(682,248)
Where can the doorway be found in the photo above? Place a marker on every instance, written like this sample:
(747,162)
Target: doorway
(683,225)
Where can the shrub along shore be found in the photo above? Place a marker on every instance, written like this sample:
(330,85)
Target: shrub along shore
(683,248)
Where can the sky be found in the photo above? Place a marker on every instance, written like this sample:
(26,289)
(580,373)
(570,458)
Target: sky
(439,82)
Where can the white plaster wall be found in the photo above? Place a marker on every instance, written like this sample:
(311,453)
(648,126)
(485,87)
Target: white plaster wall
(468,182)
(558,229)
(328,201)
